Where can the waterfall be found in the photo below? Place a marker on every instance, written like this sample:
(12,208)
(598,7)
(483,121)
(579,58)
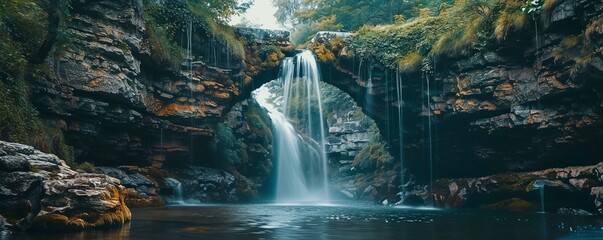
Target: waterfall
(539,184)
(400,99)
(176,191)
(189,60)
(429,132)
(300,155)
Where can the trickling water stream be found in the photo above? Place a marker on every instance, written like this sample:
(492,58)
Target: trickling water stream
(399,100)
(176,186)
(301,157)
(539,185)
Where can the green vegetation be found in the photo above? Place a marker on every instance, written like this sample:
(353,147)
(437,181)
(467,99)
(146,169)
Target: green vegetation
(163,51)
(371,157)
(465,27)
(309,17)
(167,23)
(23,32)
(228,147)
(86,167)
(258,121)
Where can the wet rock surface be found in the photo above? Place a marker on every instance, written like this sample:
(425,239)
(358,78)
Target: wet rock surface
(511,107)
(252,126)
(209,185)
(565,189)
(115,104)
(141,191)
(49,195)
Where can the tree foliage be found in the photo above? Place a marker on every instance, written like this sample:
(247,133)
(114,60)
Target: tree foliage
(465,27)
(25,26)
(309,17)
(167,23)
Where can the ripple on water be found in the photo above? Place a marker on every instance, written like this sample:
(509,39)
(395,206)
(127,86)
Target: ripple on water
(341,222)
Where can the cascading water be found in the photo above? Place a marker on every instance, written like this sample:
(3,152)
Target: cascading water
(189,60)
(427,71)
(539,185)
(399,100)
(429,132)
(176,186)
(300,156)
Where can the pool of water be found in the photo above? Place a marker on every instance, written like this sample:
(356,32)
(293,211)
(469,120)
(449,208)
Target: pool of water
(348,221)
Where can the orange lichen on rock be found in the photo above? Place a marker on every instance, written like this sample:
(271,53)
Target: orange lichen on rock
(174,109)
(323,54)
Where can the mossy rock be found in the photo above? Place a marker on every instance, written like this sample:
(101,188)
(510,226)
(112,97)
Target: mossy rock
(513,204)
(58,222)
(87,218)
(136,200)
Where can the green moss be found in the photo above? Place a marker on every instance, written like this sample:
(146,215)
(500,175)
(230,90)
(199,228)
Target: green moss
(86,167)
(259,121)
(468,26)
(231,150)
(163,50)
(513,204)
(20,36)
(167,24)
(371,157)
(410,62)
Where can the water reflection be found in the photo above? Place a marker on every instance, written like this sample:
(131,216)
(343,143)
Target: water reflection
(120,233)
(338,222)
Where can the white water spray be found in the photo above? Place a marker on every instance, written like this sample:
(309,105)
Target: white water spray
(301,157)
(176,186)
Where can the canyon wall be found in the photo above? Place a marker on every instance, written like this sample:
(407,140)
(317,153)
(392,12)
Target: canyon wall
(529,102)
(116,106)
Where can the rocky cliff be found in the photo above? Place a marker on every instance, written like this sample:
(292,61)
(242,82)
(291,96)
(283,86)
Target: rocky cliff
(559,188)
(531,101)
(117,106)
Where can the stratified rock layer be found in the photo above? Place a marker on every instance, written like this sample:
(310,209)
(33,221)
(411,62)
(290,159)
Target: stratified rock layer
(571,187)
(117,106)
(43,193)
(516,106)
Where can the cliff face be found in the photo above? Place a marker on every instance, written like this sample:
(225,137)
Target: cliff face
(117,106)
(532,101)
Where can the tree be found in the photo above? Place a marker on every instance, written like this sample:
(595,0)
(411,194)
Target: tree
(347,15)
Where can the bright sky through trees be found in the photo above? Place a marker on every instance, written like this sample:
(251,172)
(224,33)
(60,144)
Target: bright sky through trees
(261,13)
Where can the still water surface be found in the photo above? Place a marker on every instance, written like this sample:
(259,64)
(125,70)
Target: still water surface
(357,221)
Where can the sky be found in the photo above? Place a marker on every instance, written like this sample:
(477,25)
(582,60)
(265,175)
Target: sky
(260,13)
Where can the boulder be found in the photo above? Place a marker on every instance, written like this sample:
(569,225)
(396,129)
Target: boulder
(51,196)
(141,191)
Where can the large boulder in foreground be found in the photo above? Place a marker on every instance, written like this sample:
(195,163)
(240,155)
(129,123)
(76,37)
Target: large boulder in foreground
(39,191)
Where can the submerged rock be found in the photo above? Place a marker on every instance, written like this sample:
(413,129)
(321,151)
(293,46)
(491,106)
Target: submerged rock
(513,204)
(52,196)
(572,211)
